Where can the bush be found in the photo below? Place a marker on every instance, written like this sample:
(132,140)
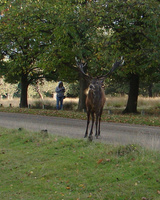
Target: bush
(70,106)
(73,90)
(43,105)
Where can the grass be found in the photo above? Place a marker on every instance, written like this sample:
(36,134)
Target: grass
(144,103)
(52,167)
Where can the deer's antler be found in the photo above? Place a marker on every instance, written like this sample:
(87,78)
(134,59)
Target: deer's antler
(114,67)
(81,66)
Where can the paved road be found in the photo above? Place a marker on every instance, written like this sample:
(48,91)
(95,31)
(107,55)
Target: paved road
(111,133)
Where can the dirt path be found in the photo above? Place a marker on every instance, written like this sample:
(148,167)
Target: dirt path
(111,133)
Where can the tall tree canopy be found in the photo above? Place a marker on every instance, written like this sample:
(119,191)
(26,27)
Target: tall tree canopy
(99,31)
(41,37)
(81,32)
(136,29)
(22,41)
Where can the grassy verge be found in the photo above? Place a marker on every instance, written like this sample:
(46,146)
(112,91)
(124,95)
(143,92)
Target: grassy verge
(147,119)
(40,168)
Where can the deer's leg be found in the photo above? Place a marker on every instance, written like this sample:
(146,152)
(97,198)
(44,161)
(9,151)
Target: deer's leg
(88,120)
(91,132)
(99,125)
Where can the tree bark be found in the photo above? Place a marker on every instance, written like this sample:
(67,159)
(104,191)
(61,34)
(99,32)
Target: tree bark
(133,94)
(82,95)
(150,90)
(24,92)
(38,90)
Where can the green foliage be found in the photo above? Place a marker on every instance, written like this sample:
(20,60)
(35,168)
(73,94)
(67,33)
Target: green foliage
(23,40)
(34,166)
(136,32)
(80,33)
(7,90)
(42,39)
(73,90)
(156,88)
(19,41)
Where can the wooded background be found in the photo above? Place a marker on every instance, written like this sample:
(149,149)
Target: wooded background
(40,40)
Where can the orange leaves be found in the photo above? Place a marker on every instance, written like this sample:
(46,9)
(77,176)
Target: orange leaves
(100,161)
(103,161)
(82,186)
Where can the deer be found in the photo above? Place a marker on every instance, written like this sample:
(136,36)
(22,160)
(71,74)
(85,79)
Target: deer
(95,99)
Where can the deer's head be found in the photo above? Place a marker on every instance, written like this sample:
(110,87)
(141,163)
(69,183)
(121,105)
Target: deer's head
(96,84)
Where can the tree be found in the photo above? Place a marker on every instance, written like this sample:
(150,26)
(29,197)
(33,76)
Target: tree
(136,32)
(97,32)
(22,42)
(44,37)
(80,33)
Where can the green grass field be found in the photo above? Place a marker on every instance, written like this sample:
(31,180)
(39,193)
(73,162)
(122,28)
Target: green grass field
(40,167)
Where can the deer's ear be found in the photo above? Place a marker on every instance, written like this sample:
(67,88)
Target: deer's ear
(102,82)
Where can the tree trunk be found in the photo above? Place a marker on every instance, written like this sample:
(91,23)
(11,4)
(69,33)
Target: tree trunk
(82,95)
(24,93)
(150,90)
(38,90)
(133,94)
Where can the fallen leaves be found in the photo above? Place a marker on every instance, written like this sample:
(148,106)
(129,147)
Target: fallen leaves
(82,186)
(68,188)
(103,161)
(144,198)
(29,173)
(100,161)
(90,195)
(158,191)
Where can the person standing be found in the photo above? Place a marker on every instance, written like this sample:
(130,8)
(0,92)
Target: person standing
(60,90)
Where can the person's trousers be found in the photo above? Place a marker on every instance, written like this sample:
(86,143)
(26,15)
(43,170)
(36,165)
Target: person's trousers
(59,104)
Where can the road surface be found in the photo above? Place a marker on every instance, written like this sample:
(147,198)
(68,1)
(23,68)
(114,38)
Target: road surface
(111,133)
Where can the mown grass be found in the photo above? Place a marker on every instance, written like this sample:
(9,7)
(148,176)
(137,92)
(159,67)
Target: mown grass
(52,167)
